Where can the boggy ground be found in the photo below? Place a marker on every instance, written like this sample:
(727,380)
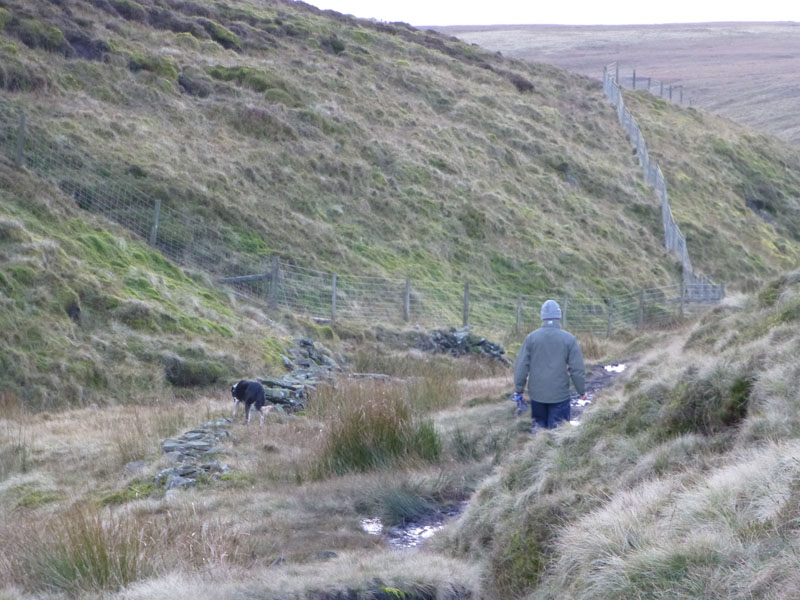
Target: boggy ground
(82,517)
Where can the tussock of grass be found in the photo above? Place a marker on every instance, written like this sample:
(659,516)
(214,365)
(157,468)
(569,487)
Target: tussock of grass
(412,574)
(672,485)
(371,426)
(83,550)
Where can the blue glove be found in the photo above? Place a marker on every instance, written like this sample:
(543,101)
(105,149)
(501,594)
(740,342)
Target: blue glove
(521,403)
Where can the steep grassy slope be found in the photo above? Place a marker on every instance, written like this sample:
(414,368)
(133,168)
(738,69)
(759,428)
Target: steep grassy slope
(734,192)
(91,316)
(681,484)
(337,143)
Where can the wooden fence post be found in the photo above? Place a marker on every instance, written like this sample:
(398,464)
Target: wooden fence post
(610,328)
(661,90)
(634,79)
(683,297)
(518,324)
(275,273)
(564,307)
(681,88)
(334,279)
(18,156)
(407,301)
(641,309)
(465,320)
(648,83)
(156,216)
(670,92)
(616,73)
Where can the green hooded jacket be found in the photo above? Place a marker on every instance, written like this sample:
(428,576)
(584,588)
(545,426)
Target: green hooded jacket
(547,359)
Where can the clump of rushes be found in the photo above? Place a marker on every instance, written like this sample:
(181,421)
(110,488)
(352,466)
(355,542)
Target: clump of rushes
(371,425)
(83,551)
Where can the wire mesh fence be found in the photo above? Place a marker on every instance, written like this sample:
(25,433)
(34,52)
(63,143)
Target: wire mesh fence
(327,296)
(281,285)
(669,90)
(674,240)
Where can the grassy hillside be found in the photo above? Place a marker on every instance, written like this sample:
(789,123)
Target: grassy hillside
(733,191)
(366,147)
(92,316)
(384,150)
(682,483)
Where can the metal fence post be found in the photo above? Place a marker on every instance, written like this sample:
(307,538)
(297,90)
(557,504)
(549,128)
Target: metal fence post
(634,79)
(333,297)
(518,323)
(407,301)
(465,320)
(20,141)
(564,307)
(610,327)
(670,93)
(616,72)
(661,89)
(274,277)
(156,216)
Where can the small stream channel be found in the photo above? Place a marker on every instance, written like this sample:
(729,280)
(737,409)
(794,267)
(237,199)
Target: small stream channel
(416,531)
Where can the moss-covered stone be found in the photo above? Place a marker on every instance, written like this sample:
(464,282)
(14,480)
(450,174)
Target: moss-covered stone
(38,34)
(5,17)
(129,9)
(189,372)
(221,34)
(162,66)
(135,490)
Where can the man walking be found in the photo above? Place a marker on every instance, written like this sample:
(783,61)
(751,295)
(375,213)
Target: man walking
(549,357)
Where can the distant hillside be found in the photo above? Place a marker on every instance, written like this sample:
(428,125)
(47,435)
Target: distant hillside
(745,71)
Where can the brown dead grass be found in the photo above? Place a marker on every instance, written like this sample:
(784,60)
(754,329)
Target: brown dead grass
(225,533)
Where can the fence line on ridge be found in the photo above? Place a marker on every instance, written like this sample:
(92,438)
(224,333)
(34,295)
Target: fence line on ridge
(668,90)
(674,240)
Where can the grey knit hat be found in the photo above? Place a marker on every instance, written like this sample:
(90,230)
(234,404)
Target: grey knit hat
(551,310)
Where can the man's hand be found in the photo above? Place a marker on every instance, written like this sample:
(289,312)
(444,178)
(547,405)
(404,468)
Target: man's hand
(521,404)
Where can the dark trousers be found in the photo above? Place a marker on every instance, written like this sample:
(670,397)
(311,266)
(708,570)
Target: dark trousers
(549,415)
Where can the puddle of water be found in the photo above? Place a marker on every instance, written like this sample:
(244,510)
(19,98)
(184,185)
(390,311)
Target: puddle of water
(618,368)
(409,537)
(372,526)
(412,534)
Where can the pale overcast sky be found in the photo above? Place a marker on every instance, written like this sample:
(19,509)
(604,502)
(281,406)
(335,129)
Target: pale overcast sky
(566,12)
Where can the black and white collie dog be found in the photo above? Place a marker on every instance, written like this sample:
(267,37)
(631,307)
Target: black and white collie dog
(252,394)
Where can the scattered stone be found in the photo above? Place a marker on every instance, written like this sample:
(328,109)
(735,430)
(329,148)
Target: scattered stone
(461,341)
(177,482)
(191,453)
(309,363)
(135,466)
(456,341)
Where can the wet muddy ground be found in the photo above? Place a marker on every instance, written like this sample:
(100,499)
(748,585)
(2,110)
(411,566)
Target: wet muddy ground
(416,531)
